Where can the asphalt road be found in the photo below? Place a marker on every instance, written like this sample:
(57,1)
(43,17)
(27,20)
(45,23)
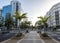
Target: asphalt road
(55,35)
(6,36)
(32,37)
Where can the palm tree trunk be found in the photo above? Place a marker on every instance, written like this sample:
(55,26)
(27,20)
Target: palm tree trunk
(44,29)
(16,23)
(19,27)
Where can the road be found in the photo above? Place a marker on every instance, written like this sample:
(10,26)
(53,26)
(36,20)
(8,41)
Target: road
(55,35)
(6,36)
(31,37)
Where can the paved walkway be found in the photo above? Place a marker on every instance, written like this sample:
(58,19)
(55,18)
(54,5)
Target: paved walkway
(32,37)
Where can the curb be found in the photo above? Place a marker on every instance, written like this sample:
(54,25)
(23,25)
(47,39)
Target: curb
(7,39)
(20,40)
(54,39)
(42,40)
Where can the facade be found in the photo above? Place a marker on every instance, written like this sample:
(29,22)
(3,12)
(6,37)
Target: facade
(1,18)
(11,9)
(54,13)
(16,6)
(6,9)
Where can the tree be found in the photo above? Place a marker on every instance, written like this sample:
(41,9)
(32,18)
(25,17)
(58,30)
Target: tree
(1,24)
(19,17)
(8,21)
(44,21)
(38,23)
(28,23)
(1,21)
(25,24)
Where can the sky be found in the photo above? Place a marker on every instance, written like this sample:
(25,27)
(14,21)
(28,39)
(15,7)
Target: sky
(33,8)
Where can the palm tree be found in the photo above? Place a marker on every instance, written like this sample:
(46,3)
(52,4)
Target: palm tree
(25,24)
(44,21)
(28,23)
(38,23)
(8,21)
(19,17)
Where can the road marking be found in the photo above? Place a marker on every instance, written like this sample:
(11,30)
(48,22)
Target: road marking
(20,40)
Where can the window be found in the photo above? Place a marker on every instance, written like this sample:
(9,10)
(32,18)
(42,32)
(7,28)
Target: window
(17,6)
(57,17)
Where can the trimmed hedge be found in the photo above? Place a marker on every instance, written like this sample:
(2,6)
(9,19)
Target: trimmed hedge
(44,35)
(18,35)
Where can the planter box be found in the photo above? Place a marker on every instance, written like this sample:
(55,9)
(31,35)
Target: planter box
(45,37)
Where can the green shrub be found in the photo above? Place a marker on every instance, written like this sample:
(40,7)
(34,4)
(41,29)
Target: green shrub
(39,32)
(18,35)
(44,35)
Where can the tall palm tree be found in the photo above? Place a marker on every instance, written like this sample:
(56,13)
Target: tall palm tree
(44,21)
(22,16)
(19,17)
(28,23)
(38,23)
(25,24)
(8,21)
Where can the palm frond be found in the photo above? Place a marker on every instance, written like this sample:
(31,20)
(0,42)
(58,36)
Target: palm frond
(24,15)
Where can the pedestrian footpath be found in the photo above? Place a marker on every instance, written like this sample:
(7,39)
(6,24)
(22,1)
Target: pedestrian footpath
(32,37)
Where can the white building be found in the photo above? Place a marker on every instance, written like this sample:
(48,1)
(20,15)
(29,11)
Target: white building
(54,13)
(16,6)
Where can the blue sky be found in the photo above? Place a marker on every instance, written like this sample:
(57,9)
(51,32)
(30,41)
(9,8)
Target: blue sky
(34,8)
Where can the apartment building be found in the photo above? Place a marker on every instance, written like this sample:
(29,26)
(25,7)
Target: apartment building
(11,9)
(54,13)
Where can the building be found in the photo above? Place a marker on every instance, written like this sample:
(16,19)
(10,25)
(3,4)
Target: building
(16,6)
(54,13)
(6,9)
(11,9)
(1,18)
